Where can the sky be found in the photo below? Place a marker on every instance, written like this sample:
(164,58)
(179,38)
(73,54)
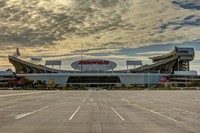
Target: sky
(116,30)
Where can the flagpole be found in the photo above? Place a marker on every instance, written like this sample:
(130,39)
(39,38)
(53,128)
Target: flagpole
(81,58)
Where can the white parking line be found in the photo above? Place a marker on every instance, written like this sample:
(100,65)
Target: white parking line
(125,100)
(186,111)
(9,107)
(9,115)
(84,100)
(118,114)
(92,99)
(42,99)
(26,114)
(164,101)
(169,118)
(20,99)
(147,101)
(20,94)
(74,113)
(157,113)
(105,100)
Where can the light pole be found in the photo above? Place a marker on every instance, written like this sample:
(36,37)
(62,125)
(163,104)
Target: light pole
(81,58)
(148,79)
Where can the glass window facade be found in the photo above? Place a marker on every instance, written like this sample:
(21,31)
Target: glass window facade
(93,79)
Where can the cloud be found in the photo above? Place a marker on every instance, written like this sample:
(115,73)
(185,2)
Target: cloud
(110,23)
(44,22)
(61,28)
(188,4)
(197,55)
(3,56)
(152,53)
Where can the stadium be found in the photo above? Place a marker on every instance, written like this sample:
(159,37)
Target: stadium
(173,67)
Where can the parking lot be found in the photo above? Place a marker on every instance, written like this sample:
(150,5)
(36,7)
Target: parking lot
(99,111)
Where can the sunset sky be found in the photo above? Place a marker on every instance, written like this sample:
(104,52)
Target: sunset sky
(116,30)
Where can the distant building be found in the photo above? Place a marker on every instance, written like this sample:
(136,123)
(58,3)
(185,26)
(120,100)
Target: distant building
(6,76)
(99,72)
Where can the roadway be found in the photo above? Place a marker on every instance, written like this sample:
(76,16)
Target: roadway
(99,111)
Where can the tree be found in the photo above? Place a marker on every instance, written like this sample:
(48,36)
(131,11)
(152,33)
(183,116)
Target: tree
(28,83)
(44,84)
(194,83)
(39,83)
(162,85)
(12,83)
(52,83)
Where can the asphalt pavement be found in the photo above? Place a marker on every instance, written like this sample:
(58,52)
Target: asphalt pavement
(99,111)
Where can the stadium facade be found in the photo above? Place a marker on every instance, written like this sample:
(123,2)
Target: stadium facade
(170,67)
